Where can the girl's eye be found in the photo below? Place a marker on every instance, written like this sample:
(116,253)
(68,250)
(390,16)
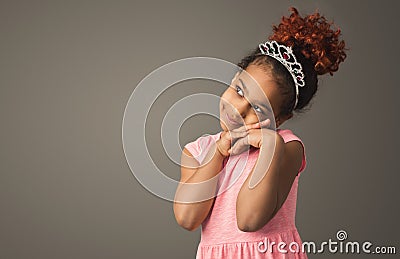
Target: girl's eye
(257,108)
(239,91)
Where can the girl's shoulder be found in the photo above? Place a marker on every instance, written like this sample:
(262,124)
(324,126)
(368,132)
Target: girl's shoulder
(288,136)
(199,147)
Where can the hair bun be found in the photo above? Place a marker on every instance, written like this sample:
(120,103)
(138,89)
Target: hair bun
(314,38)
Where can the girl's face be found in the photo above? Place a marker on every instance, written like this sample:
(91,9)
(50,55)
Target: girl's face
(244,102)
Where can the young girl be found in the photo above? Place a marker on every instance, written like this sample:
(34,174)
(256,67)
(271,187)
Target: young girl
(257,220)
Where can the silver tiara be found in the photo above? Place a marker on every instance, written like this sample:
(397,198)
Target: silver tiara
(286,57)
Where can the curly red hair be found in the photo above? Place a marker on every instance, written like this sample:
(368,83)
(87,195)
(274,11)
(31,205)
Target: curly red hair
(316,46)
(315,39)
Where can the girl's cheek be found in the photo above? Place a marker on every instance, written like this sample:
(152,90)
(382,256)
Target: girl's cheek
(227,96)
(254,117)
(251,118)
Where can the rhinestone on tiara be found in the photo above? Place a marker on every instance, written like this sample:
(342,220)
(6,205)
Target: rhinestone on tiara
(286,57)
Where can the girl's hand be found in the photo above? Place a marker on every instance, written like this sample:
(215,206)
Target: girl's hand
(226,140)
(252,138)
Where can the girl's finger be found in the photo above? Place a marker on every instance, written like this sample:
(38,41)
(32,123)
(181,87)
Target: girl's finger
(240,129)
(240,146)
(265,123)
(248,127)
(257,125)
(238,134)
(260,124)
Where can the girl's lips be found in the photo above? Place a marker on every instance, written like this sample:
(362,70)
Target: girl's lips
(231,120)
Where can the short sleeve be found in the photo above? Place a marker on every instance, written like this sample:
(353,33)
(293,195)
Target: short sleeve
(199,148)
(287,136)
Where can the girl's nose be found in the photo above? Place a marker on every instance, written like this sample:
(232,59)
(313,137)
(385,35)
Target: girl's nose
(242,107)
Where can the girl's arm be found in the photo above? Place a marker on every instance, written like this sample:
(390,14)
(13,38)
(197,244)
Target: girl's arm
(255,207)
(191,189)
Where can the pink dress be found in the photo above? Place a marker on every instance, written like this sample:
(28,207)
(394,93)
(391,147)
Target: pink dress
(220,236)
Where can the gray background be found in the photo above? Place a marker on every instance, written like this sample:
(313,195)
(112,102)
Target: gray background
(67,69)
